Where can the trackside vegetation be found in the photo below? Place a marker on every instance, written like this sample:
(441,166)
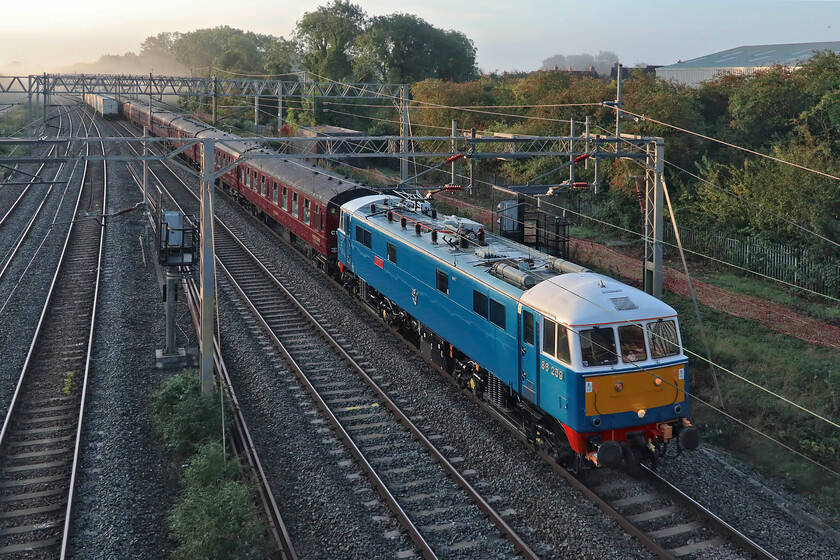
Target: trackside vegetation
(216,515)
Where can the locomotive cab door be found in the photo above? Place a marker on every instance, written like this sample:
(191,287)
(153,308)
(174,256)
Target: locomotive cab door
(529,354)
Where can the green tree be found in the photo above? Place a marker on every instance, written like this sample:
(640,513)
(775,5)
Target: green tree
(221,48)
(325,37)
(765,106)
(281,57)
(160,44)
(403,48)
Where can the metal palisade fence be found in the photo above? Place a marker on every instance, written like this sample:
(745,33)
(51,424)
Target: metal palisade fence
(787,264)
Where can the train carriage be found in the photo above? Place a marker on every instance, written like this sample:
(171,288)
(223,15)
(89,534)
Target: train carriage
(302,198)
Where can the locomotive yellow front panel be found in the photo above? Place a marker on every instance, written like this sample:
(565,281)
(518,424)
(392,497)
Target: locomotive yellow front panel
(634,390)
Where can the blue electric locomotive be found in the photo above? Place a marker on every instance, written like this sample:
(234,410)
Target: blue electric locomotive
(593,367)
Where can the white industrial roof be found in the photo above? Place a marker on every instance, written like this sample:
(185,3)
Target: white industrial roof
(758,56)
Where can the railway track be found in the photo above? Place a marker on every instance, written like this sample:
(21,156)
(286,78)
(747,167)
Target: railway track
(40,437)
(442,513)
(240,439)
(413,477)
(11,245)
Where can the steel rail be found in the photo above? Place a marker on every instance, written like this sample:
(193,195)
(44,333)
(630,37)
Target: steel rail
(740,538)
(243,441)
(24,234)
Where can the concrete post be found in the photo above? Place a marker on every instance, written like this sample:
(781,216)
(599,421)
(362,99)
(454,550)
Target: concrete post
(208,268)
(171,291)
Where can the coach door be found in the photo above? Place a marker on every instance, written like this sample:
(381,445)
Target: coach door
(529,354)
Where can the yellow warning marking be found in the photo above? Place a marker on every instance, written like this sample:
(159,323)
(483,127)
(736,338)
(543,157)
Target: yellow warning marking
(374,405)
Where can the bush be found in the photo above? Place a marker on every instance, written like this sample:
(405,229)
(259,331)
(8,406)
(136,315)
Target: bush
(217,516)
(182,417)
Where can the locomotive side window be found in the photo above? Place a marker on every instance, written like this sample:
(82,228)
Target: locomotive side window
(497,313)
(363,236)
(549,336)
(632,341)
(663,339)
(597,347)
(480,303)
(392,253)
(442,282)
(564,354)
(528,327)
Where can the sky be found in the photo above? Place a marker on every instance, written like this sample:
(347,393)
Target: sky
(508,34)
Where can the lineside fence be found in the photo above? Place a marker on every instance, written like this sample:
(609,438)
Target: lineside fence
(788,264)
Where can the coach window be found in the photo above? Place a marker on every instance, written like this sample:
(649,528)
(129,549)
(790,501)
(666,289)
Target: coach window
(248,182)
(274,192)
(480,303)
(597,346)
(442,282)
(262,185)
(497,313)
(306,211)
(528,327)
(392,253)
(295,205)
(285,203)
(663,339)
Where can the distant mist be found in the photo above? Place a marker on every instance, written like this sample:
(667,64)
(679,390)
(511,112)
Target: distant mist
(602,62)
(130,63)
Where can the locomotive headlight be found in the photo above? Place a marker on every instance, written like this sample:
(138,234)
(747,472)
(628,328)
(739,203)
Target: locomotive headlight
(642,412)
(619,386)
(657,381)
